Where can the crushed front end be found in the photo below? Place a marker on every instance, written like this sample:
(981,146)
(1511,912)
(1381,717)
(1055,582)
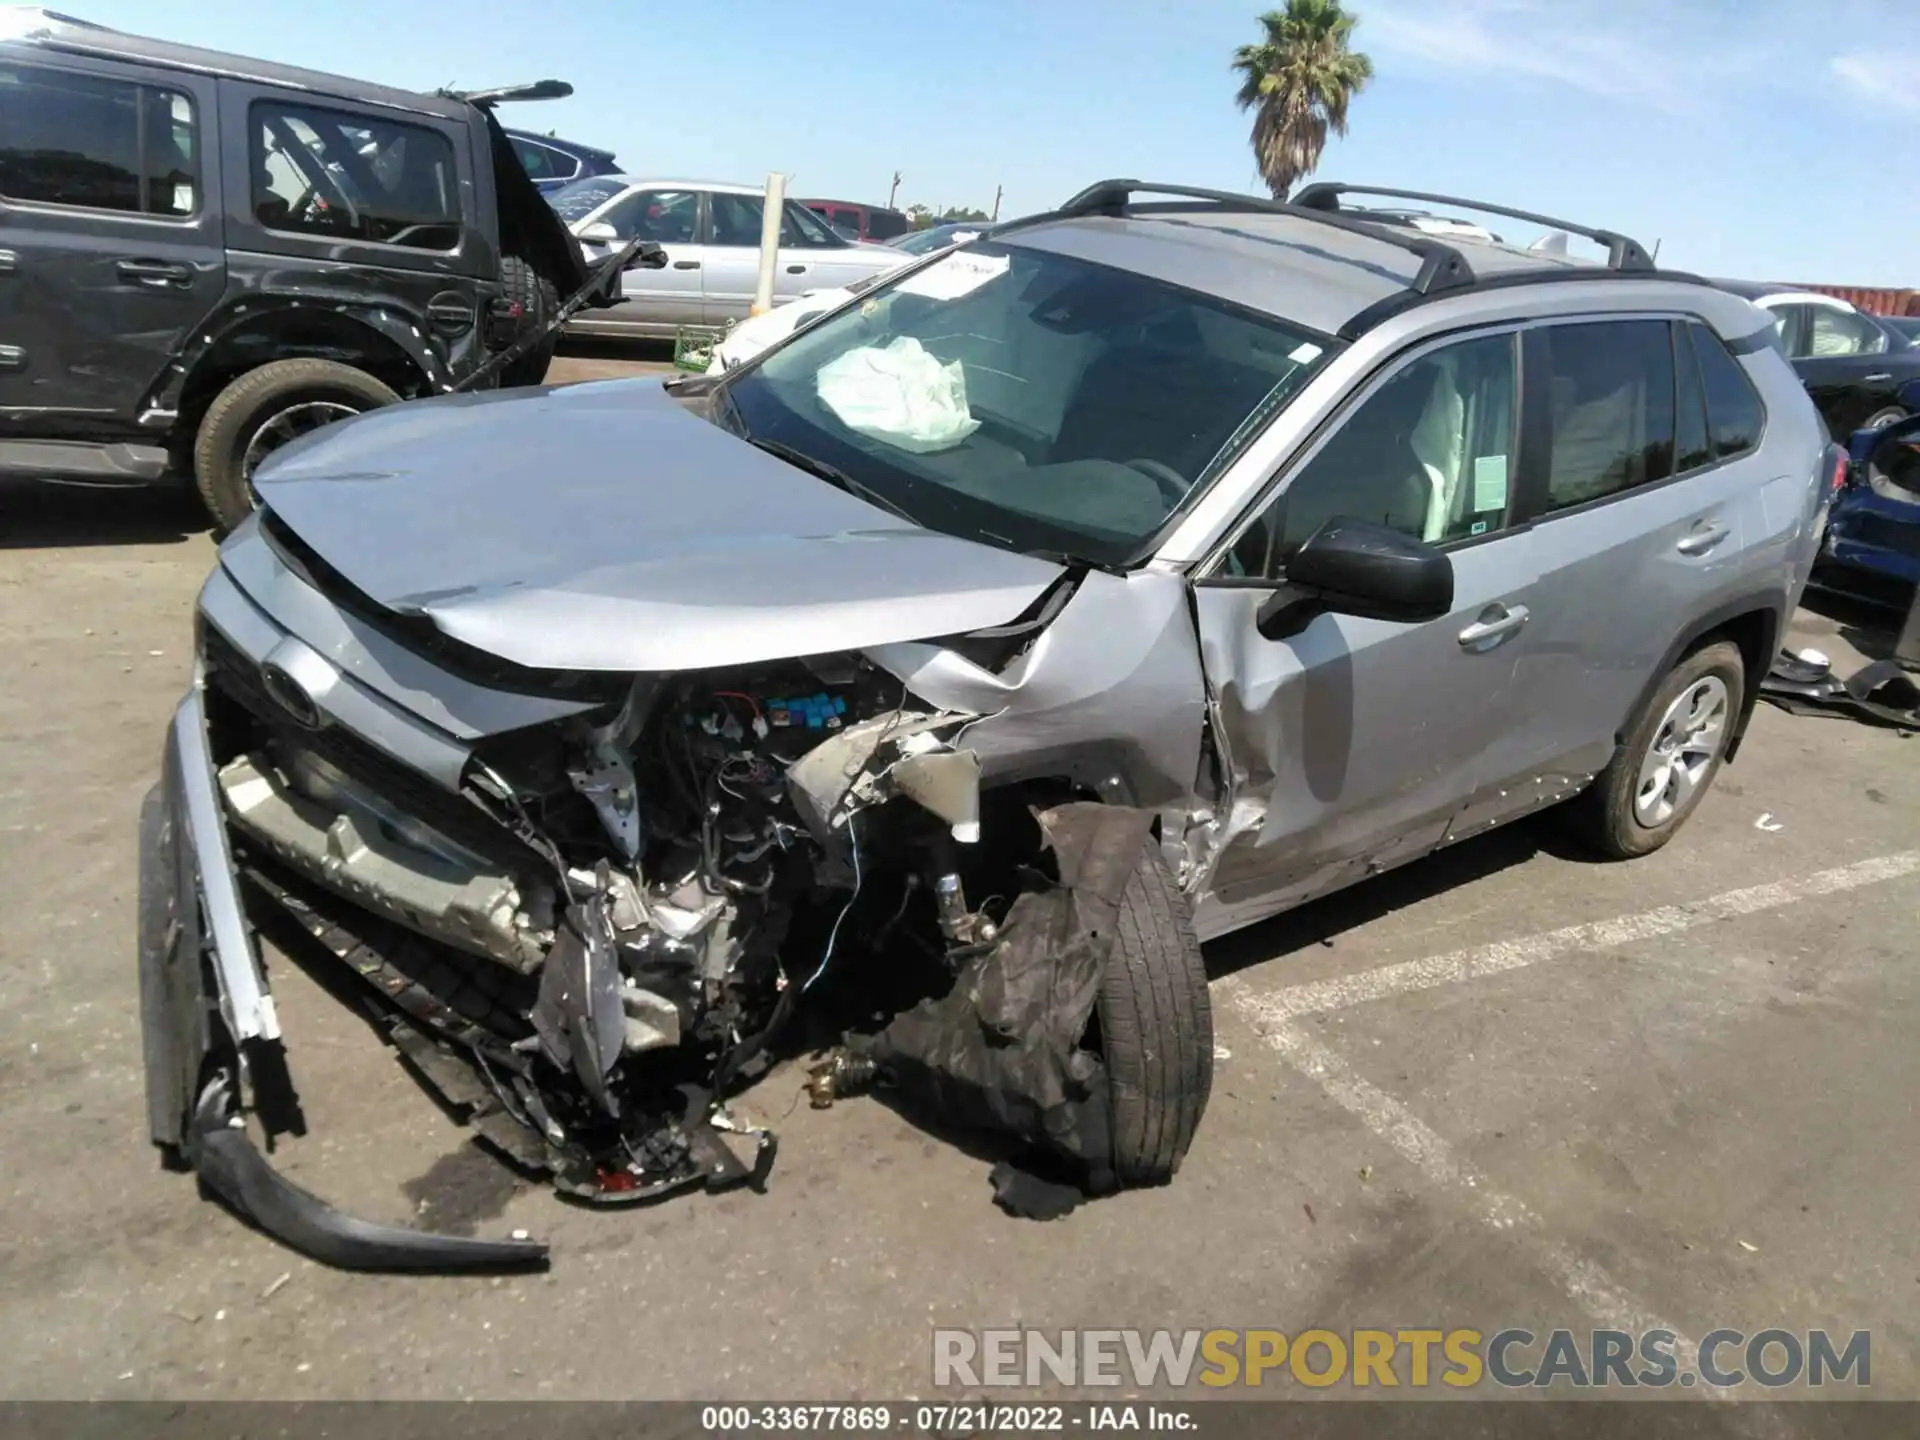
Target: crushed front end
(580,906)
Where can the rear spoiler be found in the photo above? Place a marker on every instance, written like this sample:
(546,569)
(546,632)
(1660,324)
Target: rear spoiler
(533,90)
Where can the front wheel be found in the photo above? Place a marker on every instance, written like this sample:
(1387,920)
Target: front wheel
(1156,1027)
(1670,756)
(263,410)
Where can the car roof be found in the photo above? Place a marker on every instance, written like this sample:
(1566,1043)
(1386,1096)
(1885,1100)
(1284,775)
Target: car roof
(50,30)
(1757,291)
(648,182)
(1313,274)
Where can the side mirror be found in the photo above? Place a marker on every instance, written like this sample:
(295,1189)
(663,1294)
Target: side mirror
(648,257)
(1355,567)
(599,233)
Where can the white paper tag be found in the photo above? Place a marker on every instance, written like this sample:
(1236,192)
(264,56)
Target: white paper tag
(953,276)
(1489,483)
(1304,354)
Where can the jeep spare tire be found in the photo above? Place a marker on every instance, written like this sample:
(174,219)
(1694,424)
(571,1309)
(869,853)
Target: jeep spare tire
(538,300)
(263,410)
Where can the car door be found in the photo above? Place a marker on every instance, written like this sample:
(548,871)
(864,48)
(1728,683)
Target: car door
(811,250)
(112,243)
(1353,743)
(733,256)
(652,302)
(1851,370)
(1645,510)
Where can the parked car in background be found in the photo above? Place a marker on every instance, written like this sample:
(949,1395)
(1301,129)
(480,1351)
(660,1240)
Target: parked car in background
(711,233)
(1861,371)
(868,222)
(1872,546)
(205,256)
(939,237)
(553,162)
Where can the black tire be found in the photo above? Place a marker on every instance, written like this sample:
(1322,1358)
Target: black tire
(1607,815)
(537,298)
(257,399)
(1156,1027)
(1880,419)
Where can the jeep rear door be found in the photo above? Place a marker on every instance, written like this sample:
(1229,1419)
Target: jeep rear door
(111,237)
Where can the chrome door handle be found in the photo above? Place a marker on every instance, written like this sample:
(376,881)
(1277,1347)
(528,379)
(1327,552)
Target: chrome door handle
(1496,622)
(1702,538)
(1877,377)
(155,274)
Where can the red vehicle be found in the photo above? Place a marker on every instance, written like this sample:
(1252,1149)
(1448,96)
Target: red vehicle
(869,222)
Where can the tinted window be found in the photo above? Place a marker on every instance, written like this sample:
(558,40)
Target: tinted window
(736,219)
(575,202)
(885,224)
(668,216)
(1691,447)
(70,139)
(1734,413)
(1069,406)
(801,227)
(540,162)
(1610,407)
(1841,332)
(353,177)
(1428,453)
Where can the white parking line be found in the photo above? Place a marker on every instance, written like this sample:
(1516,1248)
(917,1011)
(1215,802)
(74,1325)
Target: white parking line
(1385,981)
(1587,1284)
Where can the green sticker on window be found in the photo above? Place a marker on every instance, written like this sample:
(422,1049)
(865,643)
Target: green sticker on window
(1479,528)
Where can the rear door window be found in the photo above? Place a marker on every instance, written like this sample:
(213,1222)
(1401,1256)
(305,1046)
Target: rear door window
(96,142)
(353,177)
(1610,401)
(1735,415)
(736,219)
(1692,448)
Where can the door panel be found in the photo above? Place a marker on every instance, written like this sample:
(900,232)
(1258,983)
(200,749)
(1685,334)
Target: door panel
(651,301)
(109,256)
(1354,743)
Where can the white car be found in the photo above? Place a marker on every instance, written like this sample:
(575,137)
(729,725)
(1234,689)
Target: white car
(711,233)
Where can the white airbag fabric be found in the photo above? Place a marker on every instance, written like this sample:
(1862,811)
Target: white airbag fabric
(900,394)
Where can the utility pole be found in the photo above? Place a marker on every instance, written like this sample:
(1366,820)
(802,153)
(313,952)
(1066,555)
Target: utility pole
(894,189)
(770,216)
(996,200)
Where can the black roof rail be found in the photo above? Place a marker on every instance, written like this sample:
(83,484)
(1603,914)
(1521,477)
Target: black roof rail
(1623,252)
(1442,268)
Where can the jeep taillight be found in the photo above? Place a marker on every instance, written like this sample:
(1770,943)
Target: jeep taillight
(1839,475)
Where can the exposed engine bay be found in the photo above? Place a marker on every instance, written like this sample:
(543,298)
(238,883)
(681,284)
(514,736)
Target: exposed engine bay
(622,911)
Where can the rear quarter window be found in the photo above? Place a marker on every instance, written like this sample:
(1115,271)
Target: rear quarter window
(1736,416)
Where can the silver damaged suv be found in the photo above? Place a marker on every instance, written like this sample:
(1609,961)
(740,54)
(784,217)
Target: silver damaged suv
(920,694)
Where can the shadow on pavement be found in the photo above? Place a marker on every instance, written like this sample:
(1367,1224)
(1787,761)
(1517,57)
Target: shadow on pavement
(38,515)
(1319,922)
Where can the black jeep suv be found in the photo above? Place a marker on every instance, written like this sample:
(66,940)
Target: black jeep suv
(203,256)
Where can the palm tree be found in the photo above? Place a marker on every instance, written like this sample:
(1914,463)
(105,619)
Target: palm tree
(1298,82)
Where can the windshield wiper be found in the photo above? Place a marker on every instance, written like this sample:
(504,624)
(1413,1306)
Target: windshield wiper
(832,474)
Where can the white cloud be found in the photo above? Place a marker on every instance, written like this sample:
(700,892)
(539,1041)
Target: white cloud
(1650,55)
(1884,78)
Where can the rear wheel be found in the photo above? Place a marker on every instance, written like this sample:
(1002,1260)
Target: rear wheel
(1880,419)
(1670,756)
(537,299)
(263,410)
(1156,1027)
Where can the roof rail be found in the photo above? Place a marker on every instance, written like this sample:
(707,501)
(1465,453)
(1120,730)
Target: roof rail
(1442,267)
(1623,253)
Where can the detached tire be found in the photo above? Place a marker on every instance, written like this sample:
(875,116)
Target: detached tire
(260,412)
(537,298)
(1668,758)
(1156,1027)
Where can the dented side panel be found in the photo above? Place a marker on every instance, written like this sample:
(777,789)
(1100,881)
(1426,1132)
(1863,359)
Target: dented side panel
(1110,695)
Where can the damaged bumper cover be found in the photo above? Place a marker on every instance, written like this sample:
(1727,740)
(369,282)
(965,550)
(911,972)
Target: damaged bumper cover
(212,1037)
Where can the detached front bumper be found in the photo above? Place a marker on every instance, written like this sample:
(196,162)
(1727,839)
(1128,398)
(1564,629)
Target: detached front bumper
(212,1038)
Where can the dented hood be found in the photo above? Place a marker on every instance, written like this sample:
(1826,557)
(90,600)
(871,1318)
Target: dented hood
(604,527)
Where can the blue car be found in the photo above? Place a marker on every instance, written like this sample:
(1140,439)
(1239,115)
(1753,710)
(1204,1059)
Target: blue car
(1872,545)
(553,162)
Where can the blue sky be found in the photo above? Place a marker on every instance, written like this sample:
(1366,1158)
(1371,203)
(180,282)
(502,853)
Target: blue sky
(1753,138)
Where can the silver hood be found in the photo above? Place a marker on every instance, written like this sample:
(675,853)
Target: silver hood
(603,527)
